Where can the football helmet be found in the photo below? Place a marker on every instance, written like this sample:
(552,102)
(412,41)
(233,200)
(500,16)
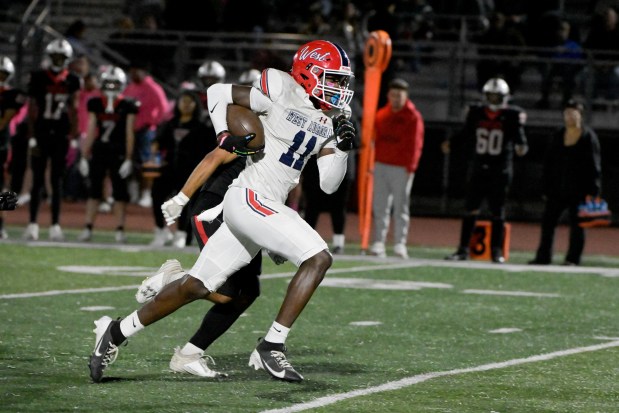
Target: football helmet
(59,52)
(248,77)
(6,66)
(211,72)
(322,68)
(112,79)
(496,92)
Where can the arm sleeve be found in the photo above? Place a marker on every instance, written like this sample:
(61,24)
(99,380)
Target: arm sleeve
(219,97)
(332,169)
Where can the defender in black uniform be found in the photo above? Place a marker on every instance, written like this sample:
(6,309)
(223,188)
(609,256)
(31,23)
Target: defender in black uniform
(112,116)
(11,101)
(53,122)
(243,286)
(497,131)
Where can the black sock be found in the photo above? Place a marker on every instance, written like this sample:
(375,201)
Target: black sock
(89,227)
(117,336)
(120,228)
(496,238)
(216,322)
(468,223)
(1,223)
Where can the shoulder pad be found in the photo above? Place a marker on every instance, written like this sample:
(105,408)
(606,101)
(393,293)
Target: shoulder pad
(272,83)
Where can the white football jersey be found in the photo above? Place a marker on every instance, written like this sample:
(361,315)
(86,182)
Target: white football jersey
(294,130)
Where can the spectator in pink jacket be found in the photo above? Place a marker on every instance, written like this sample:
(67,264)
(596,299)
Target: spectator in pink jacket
(154,107)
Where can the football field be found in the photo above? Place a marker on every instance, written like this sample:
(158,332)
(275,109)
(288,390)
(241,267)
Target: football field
(379,335)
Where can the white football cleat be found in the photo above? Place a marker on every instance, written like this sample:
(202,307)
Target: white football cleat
(196,364)
(120,237)
(180,239)
(85,236)
(163,236)
(32,232)
(171,270)
(55,233)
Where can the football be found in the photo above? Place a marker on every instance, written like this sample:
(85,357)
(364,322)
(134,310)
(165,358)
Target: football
(242,121)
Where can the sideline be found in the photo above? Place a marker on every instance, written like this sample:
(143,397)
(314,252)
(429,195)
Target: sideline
(420,378)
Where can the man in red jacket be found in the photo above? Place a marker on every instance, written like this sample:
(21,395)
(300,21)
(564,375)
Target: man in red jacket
(398,145)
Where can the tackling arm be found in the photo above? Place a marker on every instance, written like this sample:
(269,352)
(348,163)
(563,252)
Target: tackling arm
(172,209)
(203,171)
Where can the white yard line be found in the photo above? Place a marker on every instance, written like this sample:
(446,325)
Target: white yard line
(557,269)
(389,265)
(420,378)
(510,293)
(288,274)
(61,292)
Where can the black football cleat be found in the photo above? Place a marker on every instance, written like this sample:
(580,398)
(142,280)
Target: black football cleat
(271,357)
(497,257)
(105,351)
(460,255)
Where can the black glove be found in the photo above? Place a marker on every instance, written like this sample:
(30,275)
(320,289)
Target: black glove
(237,144)
(8,201)
(344,132)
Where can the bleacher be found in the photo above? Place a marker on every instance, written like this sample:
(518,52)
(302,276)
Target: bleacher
(442,84)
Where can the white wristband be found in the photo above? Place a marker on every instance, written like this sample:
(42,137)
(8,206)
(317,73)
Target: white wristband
(183,198)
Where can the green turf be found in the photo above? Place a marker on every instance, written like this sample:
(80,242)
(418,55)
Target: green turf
(45,341)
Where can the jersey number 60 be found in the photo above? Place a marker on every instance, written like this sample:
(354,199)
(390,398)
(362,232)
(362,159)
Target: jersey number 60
(489,141)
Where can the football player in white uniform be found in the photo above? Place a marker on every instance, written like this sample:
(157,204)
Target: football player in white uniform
(293,108)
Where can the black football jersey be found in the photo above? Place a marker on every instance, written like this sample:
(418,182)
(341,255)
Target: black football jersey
(52,93)
(9,99)
(112,125)
(494,134)
(223,176)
